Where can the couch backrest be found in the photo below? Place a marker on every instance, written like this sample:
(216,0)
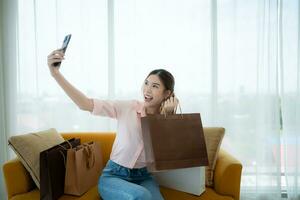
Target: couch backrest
(104,139)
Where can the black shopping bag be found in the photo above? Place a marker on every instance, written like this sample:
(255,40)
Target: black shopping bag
(52,170)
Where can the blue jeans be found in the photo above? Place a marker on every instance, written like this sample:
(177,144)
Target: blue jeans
(121,183)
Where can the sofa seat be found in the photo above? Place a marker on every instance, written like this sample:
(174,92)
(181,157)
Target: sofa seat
(92,194)
(167,193)
(227,176)
(209,194)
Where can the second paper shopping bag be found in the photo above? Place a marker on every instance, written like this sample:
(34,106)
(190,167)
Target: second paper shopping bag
(83,167)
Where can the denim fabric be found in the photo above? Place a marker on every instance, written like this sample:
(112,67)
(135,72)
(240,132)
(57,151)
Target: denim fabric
(121,183)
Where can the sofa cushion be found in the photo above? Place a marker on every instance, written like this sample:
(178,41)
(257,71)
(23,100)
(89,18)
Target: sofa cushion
(28,147)
(213,139)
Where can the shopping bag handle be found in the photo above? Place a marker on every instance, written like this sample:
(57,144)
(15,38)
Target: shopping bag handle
(90,154)
(65,147)
(174,111)
(63,155)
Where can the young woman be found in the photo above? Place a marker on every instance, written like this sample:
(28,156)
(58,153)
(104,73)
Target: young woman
(125,175)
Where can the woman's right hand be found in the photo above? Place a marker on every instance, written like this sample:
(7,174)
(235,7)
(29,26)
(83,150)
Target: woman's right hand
(54,57)
(169,106)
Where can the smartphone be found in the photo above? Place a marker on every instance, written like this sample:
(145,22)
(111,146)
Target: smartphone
(63,48)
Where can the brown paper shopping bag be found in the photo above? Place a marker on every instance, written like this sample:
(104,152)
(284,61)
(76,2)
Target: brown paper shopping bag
(83,167)
(173,141)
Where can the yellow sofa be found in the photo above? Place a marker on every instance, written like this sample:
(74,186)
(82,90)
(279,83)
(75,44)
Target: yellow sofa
(227,176)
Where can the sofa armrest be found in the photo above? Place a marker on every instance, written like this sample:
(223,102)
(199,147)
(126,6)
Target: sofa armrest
(227,175)
(17,179)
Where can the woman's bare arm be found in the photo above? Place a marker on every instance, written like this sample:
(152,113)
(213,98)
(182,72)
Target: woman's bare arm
(83,102)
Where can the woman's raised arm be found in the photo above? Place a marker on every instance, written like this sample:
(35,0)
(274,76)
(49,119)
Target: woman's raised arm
(83,102)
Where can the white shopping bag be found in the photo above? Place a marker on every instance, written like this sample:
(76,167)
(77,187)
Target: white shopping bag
(190,180)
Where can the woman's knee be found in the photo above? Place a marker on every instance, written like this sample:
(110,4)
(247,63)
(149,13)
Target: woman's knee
(100,183)
(108,187)
(106,193)
(143,194)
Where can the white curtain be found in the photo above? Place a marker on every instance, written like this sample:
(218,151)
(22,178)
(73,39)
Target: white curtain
(3,150)
(8,65)
(42,27)
(235,61)
(290,89)
(247,94)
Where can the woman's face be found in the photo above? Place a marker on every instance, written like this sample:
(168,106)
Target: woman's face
(154,91)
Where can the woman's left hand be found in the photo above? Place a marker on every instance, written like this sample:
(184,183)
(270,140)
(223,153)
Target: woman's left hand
(169,106)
